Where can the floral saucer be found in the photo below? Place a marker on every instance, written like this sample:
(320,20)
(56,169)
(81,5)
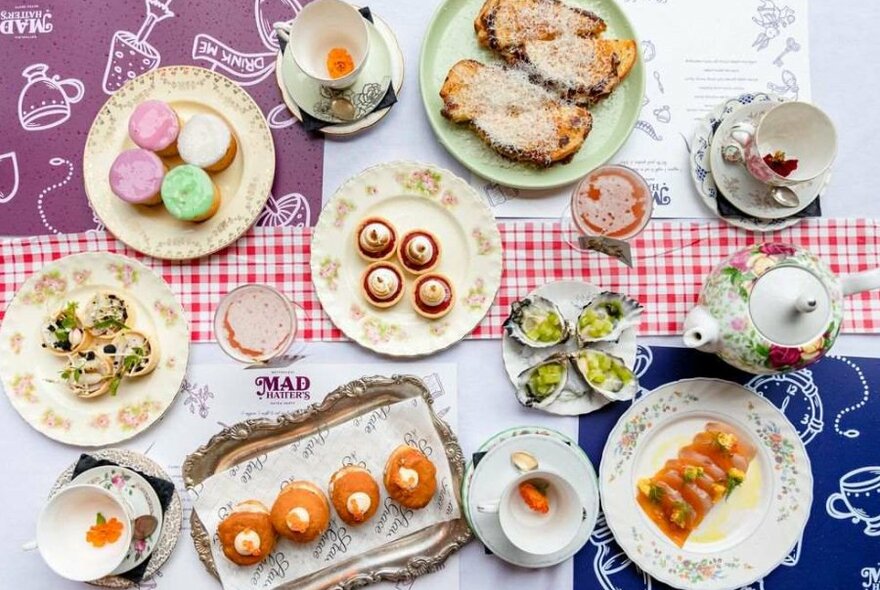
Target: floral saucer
(743,190)
(365,94)
(570,297)
(410,195)
(139,496)
(701,167)
(742,538)
(30,374)
(485,481)
(163,541)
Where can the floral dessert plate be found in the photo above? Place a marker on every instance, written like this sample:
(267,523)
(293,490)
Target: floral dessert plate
(367,91)
(748,194)
(161,543)
(570,297)
(31,375)
(350,128)
(493,470)
(411,196)
(450,38)
(244,186)
(139,496)
(742,538)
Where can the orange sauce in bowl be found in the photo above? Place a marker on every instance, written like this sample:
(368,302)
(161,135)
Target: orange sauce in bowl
(612,201)
(339,62)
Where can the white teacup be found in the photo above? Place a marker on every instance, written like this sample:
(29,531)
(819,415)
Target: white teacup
(800,130)
(321,26)
(62,527)
(533,532)
(858,499)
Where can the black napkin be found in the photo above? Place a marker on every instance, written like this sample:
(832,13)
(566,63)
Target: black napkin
(310,123)
(728,209)
(164,489)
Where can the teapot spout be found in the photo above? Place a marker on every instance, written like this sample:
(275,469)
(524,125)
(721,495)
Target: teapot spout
(701,330)
(861,281)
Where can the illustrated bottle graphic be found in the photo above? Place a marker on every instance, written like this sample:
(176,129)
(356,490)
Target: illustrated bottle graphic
(130,53)
(8,176)
(45,101)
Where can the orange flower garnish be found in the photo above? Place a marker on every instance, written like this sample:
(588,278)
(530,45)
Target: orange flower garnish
(533,497)
(339,62)
(104,531)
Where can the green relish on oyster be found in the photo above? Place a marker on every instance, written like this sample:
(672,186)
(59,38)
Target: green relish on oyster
(606,316)
(536,322)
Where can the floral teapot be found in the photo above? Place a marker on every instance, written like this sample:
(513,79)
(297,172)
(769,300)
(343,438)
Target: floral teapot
(772,308)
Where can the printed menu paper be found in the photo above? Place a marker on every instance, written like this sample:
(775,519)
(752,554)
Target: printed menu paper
(696,55)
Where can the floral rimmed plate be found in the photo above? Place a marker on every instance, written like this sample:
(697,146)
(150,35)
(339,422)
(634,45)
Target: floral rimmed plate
(741,539)
(139,496)
(570,297)
(244,186)
(486,480)
(165,537)
(410,195)
(30,374)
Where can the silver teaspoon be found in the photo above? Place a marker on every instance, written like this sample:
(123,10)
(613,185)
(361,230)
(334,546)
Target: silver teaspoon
(144,526)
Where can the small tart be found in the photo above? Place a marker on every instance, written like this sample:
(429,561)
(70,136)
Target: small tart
(133,353)
(433,295)
(418,251)
(154,126)
(63,332)
(301,512)
(207,142)
(375,239)
(189,193)
(88,373)
(136,177)
(246,535)
(354,494)
(410,477)
(106,315)
(382,284)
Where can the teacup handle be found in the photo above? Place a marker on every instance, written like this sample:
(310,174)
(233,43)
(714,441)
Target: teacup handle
(29,546)
(834,512)
(282,29)
(489,507)
(741,135)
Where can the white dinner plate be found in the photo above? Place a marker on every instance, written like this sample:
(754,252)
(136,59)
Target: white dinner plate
(742,538)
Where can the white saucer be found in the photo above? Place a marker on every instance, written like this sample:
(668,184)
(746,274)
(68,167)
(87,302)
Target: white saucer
(743,190)
(384,68)
(555,452)
(701,169)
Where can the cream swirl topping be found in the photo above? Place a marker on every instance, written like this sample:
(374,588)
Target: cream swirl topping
(432,292)
(247,542)
(383,283)
(298,519)
(375,237)
(358,503)
(420,249)
(407,478)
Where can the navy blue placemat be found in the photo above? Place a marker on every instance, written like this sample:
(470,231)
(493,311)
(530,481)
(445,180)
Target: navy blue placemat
(833,404)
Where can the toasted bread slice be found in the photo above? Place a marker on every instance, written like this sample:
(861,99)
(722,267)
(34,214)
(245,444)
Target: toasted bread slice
(582,70)
(505,25)
(518,119)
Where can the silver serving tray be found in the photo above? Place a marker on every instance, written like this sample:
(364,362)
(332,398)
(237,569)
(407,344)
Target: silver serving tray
(402,560)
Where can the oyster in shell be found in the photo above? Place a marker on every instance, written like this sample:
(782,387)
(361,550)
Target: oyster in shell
(541,384)
(606,374)
(537,322)
(606,316)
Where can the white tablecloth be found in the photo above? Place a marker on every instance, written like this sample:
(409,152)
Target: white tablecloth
(843,40)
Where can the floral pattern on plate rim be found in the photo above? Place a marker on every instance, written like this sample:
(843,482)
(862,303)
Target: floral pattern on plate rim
(782,449)
(693,571)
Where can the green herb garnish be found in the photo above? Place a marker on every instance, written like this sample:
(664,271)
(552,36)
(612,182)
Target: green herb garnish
(681,513)
(735,477)
(655,493)
(99,519)
(110,323)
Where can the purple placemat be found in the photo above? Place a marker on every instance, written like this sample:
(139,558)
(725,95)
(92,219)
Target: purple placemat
(59,62)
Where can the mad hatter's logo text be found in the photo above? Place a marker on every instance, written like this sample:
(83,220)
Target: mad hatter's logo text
(283,387)
(26,21)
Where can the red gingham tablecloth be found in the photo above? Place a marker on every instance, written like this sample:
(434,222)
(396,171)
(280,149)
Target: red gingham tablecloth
(672,258)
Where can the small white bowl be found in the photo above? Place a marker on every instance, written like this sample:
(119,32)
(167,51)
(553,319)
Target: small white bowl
(62,527)
(319,27)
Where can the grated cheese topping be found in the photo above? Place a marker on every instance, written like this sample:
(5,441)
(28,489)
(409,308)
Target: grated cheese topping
(569,61)
(518,21)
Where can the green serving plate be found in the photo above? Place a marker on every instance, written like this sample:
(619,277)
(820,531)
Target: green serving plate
(451,37)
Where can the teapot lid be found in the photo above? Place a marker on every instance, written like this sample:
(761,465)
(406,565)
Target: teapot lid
(790,305)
